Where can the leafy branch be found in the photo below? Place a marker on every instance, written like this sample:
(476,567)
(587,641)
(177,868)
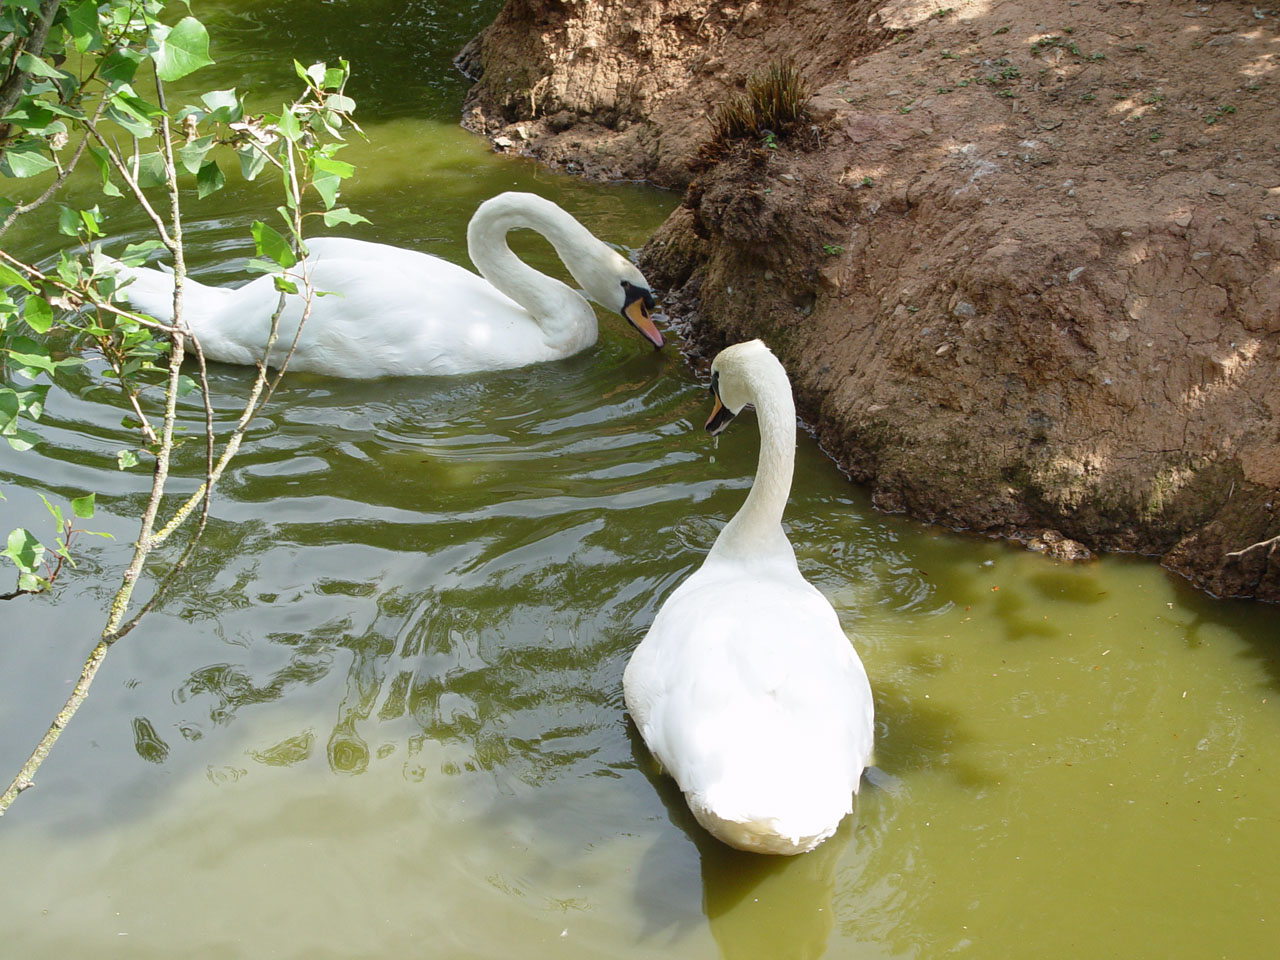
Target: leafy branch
(55,318)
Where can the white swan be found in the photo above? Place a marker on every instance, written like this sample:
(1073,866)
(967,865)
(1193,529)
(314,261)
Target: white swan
(406,313)
(745,688)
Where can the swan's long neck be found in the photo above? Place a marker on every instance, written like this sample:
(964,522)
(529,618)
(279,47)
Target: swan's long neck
(757,527)
(566,319)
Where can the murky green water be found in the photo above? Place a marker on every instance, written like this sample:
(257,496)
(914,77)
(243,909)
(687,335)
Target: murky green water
(382,715)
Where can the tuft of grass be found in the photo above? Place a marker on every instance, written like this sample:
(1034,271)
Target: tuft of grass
(773,108)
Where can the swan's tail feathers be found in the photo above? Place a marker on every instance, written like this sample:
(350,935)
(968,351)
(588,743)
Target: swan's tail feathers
(792,824)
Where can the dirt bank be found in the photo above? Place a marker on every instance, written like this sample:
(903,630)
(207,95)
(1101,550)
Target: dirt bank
(1024,275)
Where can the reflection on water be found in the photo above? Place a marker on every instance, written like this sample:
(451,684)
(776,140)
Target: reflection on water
(381,715)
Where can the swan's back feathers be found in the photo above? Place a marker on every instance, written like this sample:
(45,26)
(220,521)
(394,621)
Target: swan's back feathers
(377,311)
(748,692)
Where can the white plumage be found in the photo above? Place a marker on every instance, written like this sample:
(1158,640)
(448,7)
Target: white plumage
(745,688)
(400,312)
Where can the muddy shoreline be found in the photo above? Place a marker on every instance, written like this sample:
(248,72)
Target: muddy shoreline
(1022,272)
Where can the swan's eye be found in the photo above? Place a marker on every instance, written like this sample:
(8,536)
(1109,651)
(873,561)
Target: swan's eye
(715,383)
(632,293)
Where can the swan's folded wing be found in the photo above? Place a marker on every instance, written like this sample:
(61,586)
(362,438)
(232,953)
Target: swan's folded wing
(736,685)
(398,311)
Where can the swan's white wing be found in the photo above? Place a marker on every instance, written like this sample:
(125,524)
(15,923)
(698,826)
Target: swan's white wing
(403,312)
(378,311)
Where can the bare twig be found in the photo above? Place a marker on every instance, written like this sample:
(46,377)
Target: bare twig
(143,545)
(131,180)
(1270,544)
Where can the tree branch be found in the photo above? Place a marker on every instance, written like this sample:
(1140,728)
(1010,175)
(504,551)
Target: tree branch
(1272,544)
(13,85)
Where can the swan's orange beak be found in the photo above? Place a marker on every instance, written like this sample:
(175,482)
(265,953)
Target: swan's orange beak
(637,313)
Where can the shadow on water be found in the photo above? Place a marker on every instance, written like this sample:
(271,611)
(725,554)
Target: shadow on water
(1256,626)
(913,734)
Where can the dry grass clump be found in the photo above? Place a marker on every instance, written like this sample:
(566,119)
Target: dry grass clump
(772,109)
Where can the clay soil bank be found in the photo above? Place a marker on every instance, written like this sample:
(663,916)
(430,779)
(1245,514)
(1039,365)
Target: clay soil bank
(1023,269)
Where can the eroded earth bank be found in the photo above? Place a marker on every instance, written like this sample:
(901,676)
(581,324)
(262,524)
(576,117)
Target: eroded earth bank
(1022,265)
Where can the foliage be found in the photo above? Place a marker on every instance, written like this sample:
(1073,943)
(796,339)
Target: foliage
(773,103)
(773,108)
(84,67)
(80,78)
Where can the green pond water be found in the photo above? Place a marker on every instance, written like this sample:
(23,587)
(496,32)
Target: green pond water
(381,716)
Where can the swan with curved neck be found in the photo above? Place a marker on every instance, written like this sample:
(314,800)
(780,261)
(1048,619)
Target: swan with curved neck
(745,688)
(397,312)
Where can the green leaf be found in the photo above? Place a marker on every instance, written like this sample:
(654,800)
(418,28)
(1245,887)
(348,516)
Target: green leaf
(63,111)
(9,407)
(92,220)
(151,171)
(223,106)
(68,222)
(37,313)
(254,265)
(342,215)
(21,439)
(37,67)
(209,179)
(285,285)
(126,459)
(33,361)
(139,106)
(184,50)
(136,253)
(82,24)
(335,77)
(122,113)
(191,155)
(120,66)
(10,277)
(328,176)
(32,583)
(33,358)
(54,511)
(31,115)
(340,102)
(271,245)
(26,158)
(185,385)
(24,550)
(288,126)
(104,168)
(251,161)
(82,507)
